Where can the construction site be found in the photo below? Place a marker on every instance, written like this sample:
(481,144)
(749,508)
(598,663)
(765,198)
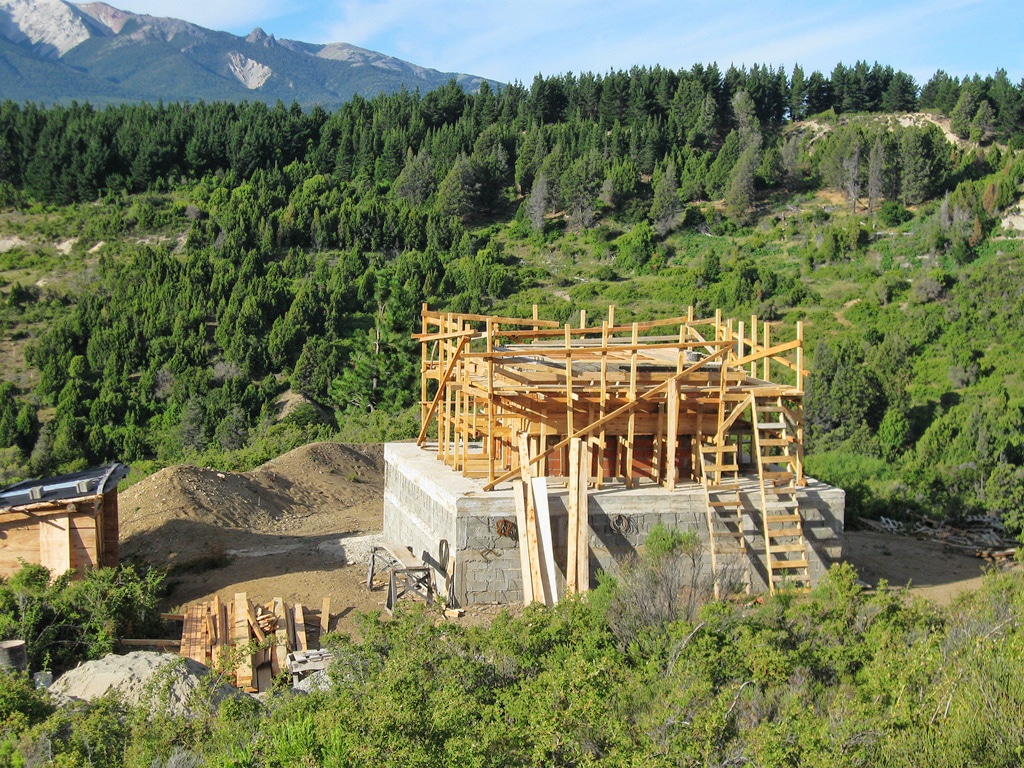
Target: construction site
(549,451)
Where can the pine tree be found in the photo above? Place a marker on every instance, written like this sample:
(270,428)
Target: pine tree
(665,206)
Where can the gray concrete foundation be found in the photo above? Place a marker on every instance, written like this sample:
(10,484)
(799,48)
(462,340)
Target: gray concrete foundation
(425,502)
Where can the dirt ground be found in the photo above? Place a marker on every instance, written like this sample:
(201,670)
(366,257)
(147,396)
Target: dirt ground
(298,527)
(301,526)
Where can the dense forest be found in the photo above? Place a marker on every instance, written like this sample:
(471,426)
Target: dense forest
(221,255)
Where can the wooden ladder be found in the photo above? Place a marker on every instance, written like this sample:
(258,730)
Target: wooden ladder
(719,468)
(779,457)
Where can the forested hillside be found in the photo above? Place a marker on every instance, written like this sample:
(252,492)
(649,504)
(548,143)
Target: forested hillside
(172,270)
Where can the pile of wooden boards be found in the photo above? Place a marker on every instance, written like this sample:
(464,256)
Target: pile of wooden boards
(212,630)
(533,519)
(979,535)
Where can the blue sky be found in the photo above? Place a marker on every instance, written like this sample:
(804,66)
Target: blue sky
(510,41)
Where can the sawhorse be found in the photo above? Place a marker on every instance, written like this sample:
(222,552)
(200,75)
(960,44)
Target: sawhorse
(408,574)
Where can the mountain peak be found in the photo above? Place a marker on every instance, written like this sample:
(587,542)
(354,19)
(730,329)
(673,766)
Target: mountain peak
(258,36)
(50,28)
(107,15)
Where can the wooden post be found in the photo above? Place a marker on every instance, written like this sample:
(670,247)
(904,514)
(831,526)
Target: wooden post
(753,344)
(490,439)
(766,366)
(583,523)
(540,594)
(424,328)
(672,434)
(800,356)
(525,561)
(568,382)
(631,429)
(601,444)
(573,508)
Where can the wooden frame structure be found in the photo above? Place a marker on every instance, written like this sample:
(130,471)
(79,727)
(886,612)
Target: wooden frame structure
(706,400)
(644,395)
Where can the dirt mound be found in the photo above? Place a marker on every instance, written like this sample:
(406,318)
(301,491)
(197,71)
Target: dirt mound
(183,514)
(173,683)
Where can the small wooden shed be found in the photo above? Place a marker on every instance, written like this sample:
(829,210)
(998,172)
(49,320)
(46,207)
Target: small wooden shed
(61,522)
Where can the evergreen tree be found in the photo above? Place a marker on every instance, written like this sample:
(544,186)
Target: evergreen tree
(665,206)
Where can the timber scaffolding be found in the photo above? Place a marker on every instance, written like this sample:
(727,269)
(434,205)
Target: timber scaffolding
(670,401)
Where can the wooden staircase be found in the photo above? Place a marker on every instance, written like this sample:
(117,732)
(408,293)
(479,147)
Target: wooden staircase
(779,468)
(730,555)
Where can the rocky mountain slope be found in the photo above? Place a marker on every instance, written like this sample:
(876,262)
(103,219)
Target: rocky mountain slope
(54,51)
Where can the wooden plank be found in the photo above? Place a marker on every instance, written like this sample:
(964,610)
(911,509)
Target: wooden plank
(325,616)
(300,628)
(441,388)
(540,594)
(278,660)
(583,525)
(289,614)
(264,678)
(540,499)
(55,543)
(519,497)
(240,638)
(573,509)
(250,615)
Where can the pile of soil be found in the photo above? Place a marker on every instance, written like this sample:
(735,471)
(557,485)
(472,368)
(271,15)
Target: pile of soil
(184,514)
(298,527)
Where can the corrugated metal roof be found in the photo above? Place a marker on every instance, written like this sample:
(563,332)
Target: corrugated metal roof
(84,484)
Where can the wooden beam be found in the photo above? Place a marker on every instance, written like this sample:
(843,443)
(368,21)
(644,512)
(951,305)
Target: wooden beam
(540,595)
(648,395)
(525,562)
(441,389)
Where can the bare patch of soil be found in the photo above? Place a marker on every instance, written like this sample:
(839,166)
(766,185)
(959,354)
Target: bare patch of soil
(295,528)
(929,568)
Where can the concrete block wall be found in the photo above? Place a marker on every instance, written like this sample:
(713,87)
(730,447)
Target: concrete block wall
(425,501)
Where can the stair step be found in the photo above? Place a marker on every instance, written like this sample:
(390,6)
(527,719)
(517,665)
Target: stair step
(785,476)
(779,458)
(721,467)
(721,487)
(731,551)
(725,504)
(713,449)
(783,519)
(801,547)
(775,442)
(783,533)
(771,425)
(787,564)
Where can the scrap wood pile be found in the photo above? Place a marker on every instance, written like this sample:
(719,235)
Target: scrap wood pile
(979,535)
(213,629)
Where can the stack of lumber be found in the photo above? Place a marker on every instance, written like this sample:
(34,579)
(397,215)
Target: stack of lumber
(255,639)
(533,520)
(979,535)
